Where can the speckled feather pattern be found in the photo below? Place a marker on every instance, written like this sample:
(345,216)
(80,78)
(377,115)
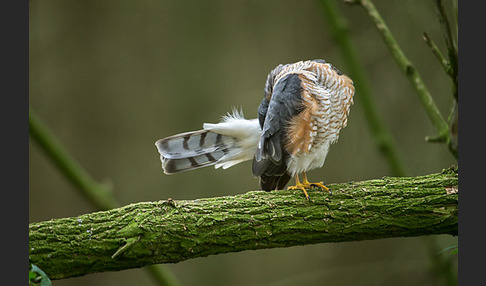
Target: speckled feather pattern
(327,97)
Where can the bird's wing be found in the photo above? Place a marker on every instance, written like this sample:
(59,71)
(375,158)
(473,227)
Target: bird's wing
(284,104)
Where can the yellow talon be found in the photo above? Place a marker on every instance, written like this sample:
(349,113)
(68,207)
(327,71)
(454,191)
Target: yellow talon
(306,184)
(299,186)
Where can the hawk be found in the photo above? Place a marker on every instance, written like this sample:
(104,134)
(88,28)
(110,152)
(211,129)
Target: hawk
(304,107)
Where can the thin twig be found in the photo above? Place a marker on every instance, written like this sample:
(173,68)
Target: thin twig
(130,242)
(435,50)
(406,66)
(98,194)
(453,72)
(455,9)
(384,141)
(451,46)
(446,29)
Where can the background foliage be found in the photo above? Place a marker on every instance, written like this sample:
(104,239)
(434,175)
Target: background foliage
(111,77)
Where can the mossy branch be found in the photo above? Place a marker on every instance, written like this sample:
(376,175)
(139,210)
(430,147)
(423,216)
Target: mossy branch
(100,195)
(171,231)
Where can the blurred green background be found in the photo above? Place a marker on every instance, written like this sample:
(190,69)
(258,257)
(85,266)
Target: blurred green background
(112,77)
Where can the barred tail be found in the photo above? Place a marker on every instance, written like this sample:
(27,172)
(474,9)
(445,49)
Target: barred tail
(232,141)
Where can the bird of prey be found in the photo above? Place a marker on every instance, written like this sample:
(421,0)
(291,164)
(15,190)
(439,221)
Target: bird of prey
(304,107)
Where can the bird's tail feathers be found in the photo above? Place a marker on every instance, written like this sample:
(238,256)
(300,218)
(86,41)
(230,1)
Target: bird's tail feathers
(223,144)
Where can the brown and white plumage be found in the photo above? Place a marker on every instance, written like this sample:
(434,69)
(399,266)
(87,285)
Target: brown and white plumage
(305,105)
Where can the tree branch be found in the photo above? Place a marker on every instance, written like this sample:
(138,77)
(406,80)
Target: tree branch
(406,66)
(338,26)
(100,195)
(171,231)
(438,55)
(451,46)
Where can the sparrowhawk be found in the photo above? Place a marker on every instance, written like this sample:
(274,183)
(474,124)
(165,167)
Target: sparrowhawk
(304,107)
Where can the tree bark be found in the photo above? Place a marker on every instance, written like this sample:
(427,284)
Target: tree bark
(171,231)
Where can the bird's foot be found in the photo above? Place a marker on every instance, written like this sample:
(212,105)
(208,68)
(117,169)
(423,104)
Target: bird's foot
(307,185)
(299,186)
(319,185)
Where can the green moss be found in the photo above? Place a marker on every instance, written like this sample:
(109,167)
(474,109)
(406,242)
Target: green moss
(171,231)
